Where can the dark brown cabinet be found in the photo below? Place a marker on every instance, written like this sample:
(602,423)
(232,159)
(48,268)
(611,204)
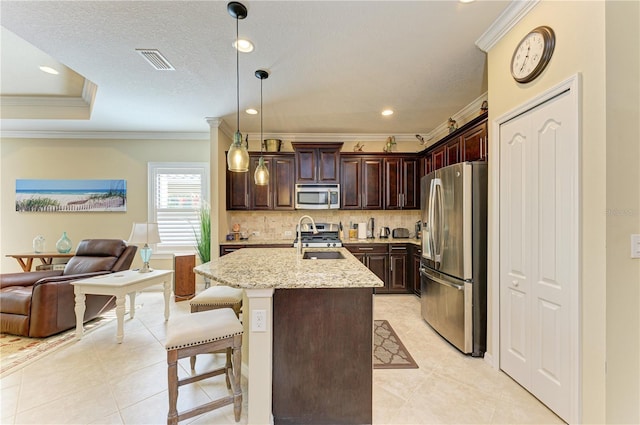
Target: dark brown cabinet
(437,158)
(238,191)
(452,150)
(402,190)
(282,174)
(398,256)
(229,248)
(474,143)
(244,194)
(376,257)
(414,275)
(468,143)
(317,162)
(361,182)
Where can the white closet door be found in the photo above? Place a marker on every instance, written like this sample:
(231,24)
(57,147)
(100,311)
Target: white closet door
(538,250)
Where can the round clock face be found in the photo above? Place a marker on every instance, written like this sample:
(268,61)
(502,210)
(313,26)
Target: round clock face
(532,54)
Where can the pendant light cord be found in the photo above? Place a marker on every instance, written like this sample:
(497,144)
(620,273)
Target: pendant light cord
(261,117)
(237,75)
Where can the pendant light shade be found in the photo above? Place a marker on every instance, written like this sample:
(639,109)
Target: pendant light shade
(261,176)
(238,155)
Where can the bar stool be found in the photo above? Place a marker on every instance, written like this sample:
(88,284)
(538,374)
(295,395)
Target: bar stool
(217,297)
(213,298)
(200,333)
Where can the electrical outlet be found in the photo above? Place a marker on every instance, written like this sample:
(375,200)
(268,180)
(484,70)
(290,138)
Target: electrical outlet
(259,321)
(288,233)
(256,233)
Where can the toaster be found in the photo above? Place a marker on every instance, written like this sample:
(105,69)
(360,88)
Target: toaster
(400,233)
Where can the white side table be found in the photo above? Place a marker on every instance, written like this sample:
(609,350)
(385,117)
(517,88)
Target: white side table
(120,284)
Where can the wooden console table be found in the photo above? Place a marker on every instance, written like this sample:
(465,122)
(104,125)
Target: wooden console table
(46,258)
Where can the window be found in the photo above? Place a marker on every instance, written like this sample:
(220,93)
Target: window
(176,192)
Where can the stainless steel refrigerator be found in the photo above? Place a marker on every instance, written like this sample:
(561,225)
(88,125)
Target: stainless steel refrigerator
(453,269)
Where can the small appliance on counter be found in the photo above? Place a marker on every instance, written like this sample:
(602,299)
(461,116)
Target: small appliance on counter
(384,232)
(400,233)
(418,229)
(370,228)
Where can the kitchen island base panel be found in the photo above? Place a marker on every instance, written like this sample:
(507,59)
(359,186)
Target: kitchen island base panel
(322,356)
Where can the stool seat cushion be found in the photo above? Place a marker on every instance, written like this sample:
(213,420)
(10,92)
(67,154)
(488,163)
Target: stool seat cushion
(216,295)
(201,328)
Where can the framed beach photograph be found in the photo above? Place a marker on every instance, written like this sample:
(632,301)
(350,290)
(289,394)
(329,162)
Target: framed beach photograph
(71,195)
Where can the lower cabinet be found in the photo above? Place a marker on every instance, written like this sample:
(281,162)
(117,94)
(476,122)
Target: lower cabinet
(414,275)
(376,257)
(398,254)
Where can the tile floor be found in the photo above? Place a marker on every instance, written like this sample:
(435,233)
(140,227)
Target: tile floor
(96,381)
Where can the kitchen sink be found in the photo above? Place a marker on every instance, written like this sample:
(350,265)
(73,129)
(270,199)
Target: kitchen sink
(322,255)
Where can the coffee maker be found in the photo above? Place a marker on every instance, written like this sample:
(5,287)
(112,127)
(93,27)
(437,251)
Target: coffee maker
(370,229)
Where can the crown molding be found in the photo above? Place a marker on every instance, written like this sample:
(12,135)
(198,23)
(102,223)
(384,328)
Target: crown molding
(503,24)
(50,107)
(463,116)
(105,135)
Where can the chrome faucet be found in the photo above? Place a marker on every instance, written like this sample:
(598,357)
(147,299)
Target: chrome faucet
(299,229)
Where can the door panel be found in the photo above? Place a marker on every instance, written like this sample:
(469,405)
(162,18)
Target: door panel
(539,252)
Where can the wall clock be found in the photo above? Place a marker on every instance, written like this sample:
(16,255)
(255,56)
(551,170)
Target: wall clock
(532,55)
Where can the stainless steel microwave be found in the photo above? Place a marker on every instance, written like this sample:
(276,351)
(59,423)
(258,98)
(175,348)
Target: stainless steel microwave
(317,196)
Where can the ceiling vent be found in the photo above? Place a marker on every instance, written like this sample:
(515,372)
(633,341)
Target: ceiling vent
(155,58)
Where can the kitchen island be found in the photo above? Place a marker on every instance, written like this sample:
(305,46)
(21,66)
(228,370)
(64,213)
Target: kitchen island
(311,362)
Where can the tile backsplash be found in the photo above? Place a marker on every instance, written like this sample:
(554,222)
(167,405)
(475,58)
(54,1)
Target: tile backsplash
(273,225)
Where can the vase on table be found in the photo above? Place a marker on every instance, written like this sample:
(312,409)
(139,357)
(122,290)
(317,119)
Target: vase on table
(38,244)
(64,244)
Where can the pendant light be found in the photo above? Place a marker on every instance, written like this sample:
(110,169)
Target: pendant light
(261,175)
(238,155)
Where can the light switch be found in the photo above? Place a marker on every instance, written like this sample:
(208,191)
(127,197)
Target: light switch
(635,246)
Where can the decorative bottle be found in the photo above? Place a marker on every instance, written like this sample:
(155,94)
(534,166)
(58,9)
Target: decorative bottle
(64,244)
(38,244)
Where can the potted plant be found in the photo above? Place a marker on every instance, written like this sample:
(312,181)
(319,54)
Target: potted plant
(203,238)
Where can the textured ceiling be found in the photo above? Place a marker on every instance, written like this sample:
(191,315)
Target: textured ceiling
(334,64)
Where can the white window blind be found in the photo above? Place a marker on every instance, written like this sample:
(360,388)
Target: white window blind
(176,193)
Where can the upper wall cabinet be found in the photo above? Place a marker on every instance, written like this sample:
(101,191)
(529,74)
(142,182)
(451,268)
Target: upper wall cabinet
(317,162)
(402,190)
(468,143)
(361,182)
(244,194)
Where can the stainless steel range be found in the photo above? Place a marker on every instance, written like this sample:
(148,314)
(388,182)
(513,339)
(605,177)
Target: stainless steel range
(328,236)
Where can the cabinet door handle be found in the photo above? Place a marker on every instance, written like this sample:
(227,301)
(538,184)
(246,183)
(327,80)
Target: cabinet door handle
(399,247)
(365,249)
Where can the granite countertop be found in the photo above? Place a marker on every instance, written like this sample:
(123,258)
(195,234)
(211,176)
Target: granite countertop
(344,241)
(259,268)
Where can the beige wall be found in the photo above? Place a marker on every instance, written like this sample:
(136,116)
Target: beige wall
(81,159)
(623,211)
(581,30)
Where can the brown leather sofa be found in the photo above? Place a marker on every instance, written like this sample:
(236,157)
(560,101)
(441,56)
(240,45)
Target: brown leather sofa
(41,303)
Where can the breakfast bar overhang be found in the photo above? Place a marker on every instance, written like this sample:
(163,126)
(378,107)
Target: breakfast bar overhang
(311,361)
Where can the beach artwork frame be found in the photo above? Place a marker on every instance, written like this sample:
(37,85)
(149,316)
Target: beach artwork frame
(83,195)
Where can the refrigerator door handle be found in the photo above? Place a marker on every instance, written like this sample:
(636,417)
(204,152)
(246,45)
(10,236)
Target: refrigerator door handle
(430,229)
(437,195)
(457,286)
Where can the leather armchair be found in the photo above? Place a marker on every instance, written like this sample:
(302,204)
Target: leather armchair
(41,303)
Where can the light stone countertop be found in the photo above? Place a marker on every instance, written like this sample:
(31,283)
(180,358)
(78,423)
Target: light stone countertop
(259,268)
(344,241)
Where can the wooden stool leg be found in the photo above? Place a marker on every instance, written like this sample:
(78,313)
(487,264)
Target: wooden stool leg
(228,366)
(237,389)
(192,360)
(172,362)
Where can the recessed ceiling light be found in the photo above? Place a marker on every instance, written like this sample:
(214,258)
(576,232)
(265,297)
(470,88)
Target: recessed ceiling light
(387,112)
(251,111)
(48,70)
(245,46)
